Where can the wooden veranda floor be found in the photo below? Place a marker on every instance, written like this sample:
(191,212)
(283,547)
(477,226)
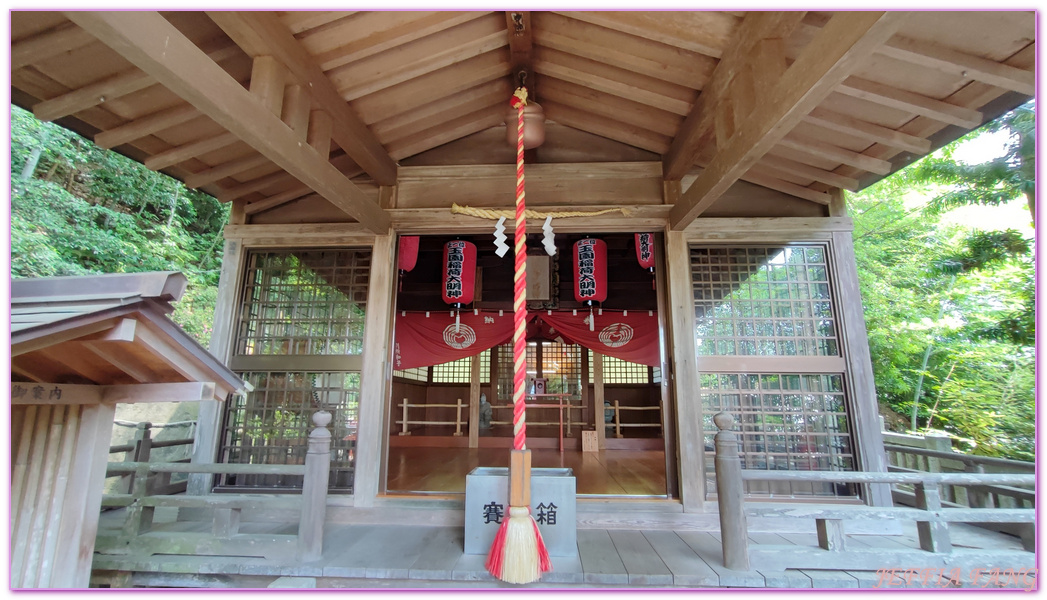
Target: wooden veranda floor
(410,556)
(609,472)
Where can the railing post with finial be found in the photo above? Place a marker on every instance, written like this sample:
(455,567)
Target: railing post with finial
(314,489)
(729,495)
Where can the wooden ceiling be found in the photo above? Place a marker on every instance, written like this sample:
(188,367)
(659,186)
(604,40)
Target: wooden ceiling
(270,107)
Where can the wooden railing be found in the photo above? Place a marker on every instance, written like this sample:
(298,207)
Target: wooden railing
(931,517)
(937,461)
(617,419)
(405,423)
(141,450)
(225,537)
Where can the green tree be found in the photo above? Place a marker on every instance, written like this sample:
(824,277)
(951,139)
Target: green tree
(80,210)
(950,310)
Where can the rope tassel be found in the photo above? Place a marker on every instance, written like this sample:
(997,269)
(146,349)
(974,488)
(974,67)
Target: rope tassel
(518,554)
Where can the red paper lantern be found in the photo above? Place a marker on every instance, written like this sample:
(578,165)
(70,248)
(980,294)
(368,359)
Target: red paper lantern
(459,272)
(645,250)
(408,255)
(590,271)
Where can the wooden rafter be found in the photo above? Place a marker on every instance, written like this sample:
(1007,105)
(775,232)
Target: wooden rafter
(149,124)
(707,33)
(668,63)
(383,70)
(260,33)
(829,59)
(110,88)
(151,43)
(48,44)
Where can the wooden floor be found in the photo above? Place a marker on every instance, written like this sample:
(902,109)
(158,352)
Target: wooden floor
(609,472)
(391,556)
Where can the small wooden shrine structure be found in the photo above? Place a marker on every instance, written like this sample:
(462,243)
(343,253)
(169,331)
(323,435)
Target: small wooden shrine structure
(730,136)
(80,346)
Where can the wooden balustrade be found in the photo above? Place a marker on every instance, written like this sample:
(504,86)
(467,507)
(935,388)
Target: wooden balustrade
(617,420)
(141,451)
(141,504)
(931,516)
(405,423)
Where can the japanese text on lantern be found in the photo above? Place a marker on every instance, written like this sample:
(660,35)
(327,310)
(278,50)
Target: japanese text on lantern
(586,270)
(645,247)
(455,258)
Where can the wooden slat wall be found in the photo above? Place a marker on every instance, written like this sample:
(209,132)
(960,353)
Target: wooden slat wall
(58,469)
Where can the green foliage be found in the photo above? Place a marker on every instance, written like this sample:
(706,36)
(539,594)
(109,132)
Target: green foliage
(85,210)
(963,298)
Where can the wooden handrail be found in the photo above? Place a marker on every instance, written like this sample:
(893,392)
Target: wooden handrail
(967,459)
(932,520)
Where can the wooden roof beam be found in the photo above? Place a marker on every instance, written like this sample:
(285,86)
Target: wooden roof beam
(707,33)
(48,44)
(110,88)
(954,62)
(871,132)
(835,53)
(147,125)
(180,154)
(521,41)
(150,42)
(260,33)
(735,62)
(910,102)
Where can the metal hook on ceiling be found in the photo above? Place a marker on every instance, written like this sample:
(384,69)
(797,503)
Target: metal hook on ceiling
(518,24)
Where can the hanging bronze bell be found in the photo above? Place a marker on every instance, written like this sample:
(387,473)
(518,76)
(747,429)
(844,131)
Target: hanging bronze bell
(534,126)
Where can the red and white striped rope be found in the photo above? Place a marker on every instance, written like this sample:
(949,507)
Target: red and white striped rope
(520,287)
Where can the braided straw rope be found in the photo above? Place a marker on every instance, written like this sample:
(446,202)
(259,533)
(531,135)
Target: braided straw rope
(484,213)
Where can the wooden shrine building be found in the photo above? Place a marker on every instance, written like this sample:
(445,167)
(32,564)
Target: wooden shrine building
(79,347)
(731,137)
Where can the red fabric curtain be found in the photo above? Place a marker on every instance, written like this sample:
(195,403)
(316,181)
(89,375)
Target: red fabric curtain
(422,340)
(631,336)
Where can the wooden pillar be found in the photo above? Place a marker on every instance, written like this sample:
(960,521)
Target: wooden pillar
(730,496)
(314,490)
(854,342)
(685,381)
(586,399)
(474,402)
(209,412)
(668,415)
(377,371)
(79,519)
(598,400)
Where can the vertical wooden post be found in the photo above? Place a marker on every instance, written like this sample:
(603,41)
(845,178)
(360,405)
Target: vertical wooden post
(314,490)
(143,448)
(686,382)
(76,538)
(934,536)
(855,347)
(474,401)
(209,413)
(403,423)
(977,497)
(730,497)
(377,372)
(458,419)
(617,419)
(598,400)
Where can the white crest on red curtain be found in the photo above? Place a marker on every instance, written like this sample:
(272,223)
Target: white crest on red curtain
(462,338)
(616,335)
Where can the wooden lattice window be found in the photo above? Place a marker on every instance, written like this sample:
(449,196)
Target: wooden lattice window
(768,353)
(299,342)
(271,424)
